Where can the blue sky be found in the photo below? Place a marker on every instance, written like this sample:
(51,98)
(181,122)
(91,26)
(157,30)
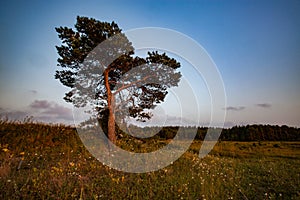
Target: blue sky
(255,45)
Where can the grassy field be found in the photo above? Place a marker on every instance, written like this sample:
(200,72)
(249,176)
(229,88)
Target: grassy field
(49,162)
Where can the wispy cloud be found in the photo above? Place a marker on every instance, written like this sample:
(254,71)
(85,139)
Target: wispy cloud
(235,108)
(41,110)
(13,115)
(166,120)
(229,124)
(51,110)
(40,104)
(34,92)
(59,112)
(264,105)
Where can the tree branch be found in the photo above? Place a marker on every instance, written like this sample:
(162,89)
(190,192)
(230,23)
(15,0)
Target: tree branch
(130,85)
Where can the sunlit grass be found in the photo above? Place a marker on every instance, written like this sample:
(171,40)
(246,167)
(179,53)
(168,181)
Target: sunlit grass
(39,161)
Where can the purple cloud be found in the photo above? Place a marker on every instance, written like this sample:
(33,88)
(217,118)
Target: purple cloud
(50,111)
(264,105)
(41,110)
(59,112)
(235,108)
(13,115)
(40,104)
(229,124)
(34,92)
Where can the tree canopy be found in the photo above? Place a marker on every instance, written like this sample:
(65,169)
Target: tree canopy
(99,65)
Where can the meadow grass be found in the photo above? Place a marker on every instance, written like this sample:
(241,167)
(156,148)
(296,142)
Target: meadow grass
(39,161)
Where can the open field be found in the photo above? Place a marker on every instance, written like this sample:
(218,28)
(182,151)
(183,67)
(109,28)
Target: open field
(49,162)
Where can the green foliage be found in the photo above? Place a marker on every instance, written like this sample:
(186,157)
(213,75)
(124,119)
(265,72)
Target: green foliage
(135,93)
(78,44)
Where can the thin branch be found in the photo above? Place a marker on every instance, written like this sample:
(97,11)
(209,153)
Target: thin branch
(130,85)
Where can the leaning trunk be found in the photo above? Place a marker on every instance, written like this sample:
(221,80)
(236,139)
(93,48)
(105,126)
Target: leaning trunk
(111,130)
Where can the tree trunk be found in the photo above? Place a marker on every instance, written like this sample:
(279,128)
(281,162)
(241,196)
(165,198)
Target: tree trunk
(111,122)
(111,108)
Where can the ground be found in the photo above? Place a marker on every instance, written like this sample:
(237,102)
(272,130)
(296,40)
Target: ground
(49,162)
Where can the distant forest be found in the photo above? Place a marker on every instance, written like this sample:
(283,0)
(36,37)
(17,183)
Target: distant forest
(236,133)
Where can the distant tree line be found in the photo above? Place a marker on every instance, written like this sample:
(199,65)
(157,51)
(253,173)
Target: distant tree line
(236,133)
(261,133)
